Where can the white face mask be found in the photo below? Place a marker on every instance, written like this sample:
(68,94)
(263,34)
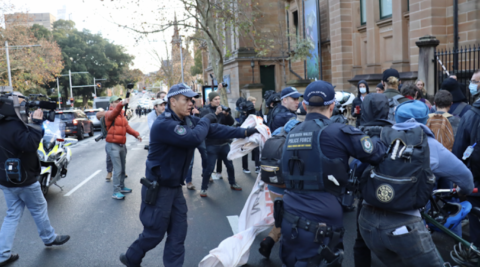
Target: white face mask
(363,90)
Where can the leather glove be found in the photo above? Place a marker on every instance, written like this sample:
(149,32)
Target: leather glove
(211,117)
(250,131)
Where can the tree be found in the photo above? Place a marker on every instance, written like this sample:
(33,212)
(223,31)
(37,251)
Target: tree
(32,68)
(83,51)
(130,76)
(197,68)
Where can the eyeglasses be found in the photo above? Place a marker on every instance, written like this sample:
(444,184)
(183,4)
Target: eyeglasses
(474,82)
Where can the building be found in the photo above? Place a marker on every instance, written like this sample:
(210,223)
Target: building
(29,19)
(62,13)
(354,40)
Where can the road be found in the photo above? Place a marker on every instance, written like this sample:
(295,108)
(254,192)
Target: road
(101,228)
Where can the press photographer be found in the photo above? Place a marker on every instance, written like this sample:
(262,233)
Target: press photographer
(20,169)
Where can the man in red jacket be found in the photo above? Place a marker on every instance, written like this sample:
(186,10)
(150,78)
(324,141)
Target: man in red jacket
(118,128)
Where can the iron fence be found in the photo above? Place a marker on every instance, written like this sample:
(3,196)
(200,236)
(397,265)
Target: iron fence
(468,59)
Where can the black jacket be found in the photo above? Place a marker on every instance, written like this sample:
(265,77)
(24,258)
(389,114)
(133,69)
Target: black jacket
(221,119)
(374,111)
(358,101)
(18,142)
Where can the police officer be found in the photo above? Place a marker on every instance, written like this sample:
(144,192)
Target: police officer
(315,169)
(281,114)
(167,164)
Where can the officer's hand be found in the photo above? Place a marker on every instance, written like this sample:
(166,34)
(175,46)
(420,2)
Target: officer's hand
(37,115)
(212,118)
(250,131)
(219,110)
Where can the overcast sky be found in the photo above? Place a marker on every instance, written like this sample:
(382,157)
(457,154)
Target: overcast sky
(100,17)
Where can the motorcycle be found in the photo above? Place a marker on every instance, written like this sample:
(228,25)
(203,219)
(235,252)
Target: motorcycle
(54,154)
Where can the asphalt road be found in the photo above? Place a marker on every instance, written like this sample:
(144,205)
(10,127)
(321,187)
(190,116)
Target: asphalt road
(101,228)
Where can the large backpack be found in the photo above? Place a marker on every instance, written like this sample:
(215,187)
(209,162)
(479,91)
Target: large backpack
(392,105)
(404,180)
(104,127)
(442,129)
(270,162)
(472,161)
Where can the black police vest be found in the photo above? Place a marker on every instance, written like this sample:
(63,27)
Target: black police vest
(304,165)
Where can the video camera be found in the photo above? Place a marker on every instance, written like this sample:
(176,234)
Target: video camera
(10,106)
(226,109)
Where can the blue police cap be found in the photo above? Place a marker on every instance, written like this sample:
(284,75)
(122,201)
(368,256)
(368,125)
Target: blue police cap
(181,89)
(291,92)
(322,89)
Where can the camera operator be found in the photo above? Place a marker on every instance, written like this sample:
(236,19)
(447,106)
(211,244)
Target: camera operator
(218,148)
(20,144)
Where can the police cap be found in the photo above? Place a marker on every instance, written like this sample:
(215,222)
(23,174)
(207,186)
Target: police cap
(322,89)
(181,89)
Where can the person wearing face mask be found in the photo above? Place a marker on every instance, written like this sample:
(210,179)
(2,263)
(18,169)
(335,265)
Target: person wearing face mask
(363,90)
(474,85)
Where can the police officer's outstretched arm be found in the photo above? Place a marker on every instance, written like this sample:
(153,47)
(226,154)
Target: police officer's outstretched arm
(362,147)
(176,134)
(219,131)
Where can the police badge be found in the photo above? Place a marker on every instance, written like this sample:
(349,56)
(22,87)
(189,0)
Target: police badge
(180,130)
(385,193)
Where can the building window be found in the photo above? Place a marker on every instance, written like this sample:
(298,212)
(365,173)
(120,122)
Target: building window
(385,9)
(295,24)
(363,12)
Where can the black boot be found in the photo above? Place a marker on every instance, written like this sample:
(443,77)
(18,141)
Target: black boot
(13,257)
(266,246)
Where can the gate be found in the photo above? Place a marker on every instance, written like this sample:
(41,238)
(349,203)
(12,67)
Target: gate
(468,62)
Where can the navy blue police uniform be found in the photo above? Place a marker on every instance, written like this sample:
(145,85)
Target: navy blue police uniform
(280,114)
(172,145)
(315,169)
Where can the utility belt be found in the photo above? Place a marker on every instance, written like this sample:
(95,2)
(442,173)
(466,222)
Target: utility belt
(152,191)
(328,255)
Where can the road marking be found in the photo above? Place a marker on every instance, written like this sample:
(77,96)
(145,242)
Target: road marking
(82,183)
(233,220)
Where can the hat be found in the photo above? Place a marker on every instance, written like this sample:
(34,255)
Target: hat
(389,73)
(319,88)
(274,98)
(380,85)
(212,95)
(412,109)
(291,92)
(453,87)
(114,98)
(181,89)
(159,101)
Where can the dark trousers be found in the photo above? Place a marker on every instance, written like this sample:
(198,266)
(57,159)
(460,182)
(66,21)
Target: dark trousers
(203,153)
(255,157)
(474,221)
(168,215)
(361,253)
(220,153)
(219,166)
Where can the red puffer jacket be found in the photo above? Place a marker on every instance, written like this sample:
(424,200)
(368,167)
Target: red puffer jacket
(118,132)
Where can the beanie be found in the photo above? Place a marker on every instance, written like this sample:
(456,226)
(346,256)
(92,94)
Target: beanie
(412,109)
(212,95)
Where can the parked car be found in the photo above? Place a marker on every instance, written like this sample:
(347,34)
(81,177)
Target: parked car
(91,114)
(76,122)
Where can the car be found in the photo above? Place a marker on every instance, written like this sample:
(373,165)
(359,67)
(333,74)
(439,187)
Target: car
(76,123)
(91,114)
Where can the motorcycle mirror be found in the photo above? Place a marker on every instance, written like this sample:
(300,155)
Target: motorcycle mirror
(51,116)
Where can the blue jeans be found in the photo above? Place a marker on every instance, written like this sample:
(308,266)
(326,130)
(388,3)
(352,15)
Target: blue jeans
(220,153)
(118,154)
(17,198)
(415,248)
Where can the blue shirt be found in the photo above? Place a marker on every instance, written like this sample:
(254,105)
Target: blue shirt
(151,117)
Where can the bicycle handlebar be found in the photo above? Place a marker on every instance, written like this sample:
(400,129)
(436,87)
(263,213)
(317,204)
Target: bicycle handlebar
(453,190)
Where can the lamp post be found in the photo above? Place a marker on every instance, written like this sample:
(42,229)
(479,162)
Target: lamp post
(252,64)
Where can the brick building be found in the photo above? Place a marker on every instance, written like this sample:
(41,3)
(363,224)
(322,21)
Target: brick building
(358,39)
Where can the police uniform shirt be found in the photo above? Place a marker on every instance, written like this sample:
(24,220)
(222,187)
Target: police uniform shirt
(337,141)
(281,118)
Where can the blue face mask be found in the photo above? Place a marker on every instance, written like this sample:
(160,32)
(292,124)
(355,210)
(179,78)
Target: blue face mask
(473,88)
(363,90)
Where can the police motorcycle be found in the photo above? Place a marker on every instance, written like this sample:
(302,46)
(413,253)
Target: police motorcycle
(54,154)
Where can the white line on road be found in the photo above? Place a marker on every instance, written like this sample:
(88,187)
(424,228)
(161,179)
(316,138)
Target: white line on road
(233,220)
(82,183)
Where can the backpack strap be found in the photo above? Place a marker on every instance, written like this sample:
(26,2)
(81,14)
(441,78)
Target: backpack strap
(459,108)
(397,97)
(475,110)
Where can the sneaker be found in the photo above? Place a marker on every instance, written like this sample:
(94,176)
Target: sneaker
(109,177)
(190,186)
(126,176)
(203,193)
(124,260)
(219,175)
(126,190)
(246,171)
(13,257)
(211,179)
(235,187)
(266,246)
(59,240)
(118,196)
(257,169)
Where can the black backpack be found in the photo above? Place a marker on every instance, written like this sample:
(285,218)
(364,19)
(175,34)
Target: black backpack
(404,180)
(104,127)
(271,115)
(472,161)
(270,162)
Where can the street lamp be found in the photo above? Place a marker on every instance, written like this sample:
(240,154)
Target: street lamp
(252,64)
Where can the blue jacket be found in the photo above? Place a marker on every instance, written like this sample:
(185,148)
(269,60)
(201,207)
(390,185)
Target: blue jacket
(173,142)
(280,116)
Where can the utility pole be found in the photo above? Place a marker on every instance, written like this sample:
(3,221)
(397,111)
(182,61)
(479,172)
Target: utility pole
(59,95)
(8,58)
(70,81)
(95,85)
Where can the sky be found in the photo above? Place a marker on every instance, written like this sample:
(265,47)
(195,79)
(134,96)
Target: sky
(103,16)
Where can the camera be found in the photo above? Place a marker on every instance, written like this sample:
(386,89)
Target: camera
(225,85)
(23,110)
(226,109)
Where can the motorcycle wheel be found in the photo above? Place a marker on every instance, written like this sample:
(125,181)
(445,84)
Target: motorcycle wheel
(43,184)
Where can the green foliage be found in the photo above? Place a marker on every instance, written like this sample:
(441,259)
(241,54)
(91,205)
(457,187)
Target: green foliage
(301,50)
(197,68)
(41,32)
